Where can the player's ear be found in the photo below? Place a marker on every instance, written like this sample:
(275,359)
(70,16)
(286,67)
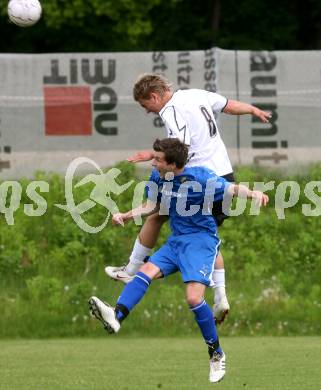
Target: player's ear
(153,96)
(173,166)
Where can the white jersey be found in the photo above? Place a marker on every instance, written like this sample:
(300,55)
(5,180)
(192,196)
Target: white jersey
(189,116)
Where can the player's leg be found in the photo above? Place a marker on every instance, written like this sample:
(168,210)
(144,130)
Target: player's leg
(221,306)
(145,241)
(197,254)
(160,263)
(130,296)
(204,318)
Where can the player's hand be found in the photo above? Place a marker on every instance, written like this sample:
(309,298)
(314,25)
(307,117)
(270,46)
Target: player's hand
(264,116)
(144,155)
(118,219)
(260,198)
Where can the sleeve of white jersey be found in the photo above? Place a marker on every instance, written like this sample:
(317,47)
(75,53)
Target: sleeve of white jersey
(175,125)
(217,102)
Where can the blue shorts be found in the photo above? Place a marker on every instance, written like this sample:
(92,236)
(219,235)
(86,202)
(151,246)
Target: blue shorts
(192,254)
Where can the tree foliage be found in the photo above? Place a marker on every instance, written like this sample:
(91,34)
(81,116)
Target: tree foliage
(140,25)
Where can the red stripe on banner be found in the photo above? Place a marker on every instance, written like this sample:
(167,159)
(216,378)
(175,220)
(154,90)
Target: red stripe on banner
(68,111)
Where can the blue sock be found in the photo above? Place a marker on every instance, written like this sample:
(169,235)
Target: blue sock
(132,293)
(204,318)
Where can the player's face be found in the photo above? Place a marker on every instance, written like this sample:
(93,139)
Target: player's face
(161,165)
(153,104)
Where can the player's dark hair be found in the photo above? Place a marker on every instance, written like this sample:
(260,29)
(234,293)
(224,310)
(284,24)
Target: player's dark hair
(148,83)
(174,150)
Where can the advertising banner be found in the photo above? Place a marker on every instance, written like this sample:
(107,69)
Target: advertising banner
(56,107)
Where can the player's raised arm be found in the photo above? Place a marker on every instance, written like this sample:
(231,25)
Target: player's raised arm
(143,155)
(145,209)
(242,191)
(234,107)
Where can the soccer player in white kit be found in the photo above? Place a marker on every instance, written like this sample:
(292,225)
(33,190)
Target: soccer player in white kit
(188,115)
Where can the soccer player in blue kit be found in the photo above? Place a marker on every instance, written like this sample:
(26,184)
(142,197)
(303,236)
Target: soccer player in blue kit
(187,196)
(191,116)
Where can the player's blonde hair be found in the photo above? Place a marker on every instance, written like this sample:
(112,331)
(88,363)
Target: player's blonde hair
(149,82)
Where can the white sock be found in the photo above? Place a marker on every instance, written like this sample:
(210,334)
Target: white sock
(219,283)
(219,277)
(137,257)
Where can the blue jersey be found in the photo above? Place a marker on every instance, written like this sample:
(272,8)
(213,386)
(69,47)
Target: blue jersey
(188,198)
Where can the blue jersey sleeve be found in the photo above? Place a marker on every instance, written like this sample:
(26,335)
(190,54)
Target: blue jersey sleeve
(222,185)
(216,187)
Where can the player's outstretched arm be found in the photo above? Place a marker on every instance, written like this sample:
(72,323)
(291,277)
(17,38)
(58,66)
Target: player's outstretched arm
(144,209)
(235,107)
(144,155)
(242,191)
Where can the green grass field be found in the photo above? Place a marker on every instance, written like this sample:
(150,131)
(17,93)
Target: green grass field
(122,363)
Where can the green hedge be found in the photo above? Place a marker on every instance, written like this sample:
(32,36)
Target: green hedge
(49,267)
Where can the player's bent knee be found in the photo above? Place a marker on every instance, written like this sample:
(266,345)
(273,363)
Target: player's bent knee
(150,269)
(195,293)
(194,299)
